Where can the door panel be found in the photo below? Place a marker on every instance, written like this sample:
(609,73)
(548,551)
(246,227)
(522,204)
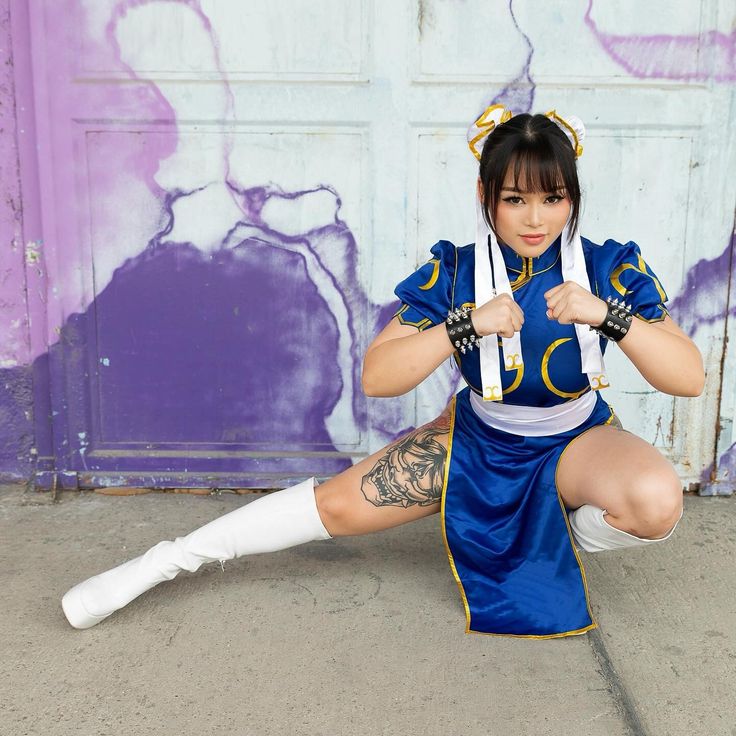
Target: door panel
(230,192)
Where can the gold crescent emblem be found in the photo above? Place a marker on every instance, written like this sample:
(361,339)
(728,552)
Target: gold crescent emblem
(642,269)
(433,278)
(545,372)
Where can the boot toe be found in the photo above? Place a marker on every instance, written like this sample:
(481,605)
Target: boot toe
(77,615)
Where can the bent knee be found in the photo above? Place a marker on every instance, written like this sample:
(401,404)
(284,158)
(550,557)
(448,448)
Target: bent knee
(656,504)
(331,507)
(344,510)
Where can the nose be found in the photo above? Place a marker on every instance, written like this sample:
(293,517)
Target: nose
(533,215)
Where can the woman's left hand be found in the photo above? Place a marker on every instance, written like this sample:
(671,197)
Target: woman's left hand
(570,303)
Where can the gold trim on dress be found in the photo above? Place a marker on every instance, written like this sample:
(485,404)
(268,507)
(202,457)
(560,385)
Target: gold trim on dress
(454,279)
(468,630)
(523,276)
(645,270)
(655,319)
(421,325)
(442,515)
(527,271)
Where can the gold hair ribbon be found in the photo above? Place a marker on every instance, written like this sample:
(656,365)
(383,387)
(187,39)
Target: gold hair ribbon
(484,125)
(572,127)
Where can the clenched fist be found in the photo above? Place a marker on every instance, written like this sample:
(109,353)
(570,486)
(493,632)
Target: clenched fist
(501,315)
(569,303)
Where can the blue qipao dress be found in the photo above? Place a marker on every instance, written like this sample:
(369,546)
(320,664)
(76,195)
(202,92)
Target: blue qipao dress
(504,523)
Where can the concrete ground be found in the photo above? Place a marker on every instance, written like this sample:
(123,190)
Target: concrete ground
(360,635)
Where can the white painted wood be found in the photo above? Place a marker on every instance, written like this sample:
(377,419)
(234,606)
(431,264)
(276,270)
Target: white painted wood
(373,98)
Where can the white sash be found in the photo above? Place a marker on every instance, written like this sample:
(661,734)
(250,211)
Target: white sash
(534,421)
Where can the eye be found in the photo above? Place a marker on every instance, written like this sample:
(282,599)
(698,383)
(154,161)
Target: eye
(555,197)
(510,199)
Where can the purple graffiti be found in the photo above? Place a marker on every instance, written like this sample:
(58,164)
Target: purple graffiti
(720,476)
(710,55)
(695,306)
(518,94)
(251,341)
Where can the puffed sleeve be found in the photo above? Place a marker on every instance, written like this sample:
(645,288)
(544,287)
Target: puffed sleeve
(426,294)
(633,279)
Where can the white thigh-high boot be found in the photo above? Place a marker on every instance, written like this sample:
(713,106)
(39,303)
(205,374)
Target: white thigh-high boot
(276,521)
(593,534)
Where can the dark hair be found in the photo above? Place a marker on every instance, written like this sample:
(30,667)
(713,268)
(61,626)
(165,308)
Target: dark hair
(537,145)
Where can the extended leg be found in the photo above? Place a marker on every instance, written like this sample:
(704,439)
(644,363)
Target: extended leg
(273,522)
(398,484)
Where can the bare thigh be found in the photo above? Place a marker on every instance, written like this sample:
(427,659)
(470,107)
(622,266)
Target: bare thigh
(618,471)
(400,483)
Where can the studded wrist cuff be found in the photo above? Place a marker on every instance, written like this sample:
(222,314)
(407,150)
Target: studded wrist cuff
(460,329)
(617,321)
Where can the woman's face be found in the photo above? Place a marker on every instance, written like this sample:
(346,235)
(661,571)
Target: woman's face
(521,213)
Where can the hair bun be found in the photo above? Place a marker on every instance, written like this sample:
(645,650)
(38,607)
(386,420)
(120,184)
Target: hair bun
(572,126)
(484,125)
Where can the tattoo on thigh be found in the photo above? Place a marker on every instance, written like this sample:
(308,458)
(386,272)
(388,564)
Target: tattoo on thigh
(411,472)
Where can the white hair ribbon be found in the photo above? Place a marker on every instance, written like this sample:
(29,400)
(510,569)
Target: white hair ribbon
(492,279)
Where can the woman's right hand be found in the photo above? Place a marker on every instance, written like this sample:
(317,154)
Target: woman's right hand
(501,315)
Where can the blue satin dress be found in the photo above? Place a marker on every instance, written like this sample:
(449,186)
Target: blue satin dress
(505,526)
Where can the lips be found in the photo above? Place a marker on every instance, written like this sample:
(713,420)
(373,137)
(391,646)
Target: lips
(534,238)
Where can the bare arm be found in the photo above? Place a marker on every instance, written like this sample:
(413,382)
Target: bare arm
(664,355)
(401,357)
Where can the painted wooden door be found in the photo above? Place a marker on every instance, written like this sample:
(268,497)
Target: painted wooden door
(231,190)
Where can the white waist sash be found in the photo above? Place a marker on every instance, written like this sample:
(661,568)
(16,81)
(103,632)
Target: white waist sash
(534,421)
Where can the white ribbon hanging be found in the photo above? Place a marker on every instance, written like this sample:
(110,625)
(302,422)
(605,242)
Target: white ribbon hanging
(573,269)
(485,290)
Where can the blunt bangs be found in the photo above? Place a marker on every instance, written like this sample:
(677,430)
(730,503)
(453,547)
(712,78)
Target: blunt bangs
(539,155)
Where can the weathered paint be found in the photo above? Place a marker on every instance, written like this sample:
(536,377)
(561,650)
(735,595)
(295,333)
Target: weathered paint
(178,345)
(709,306)
(16,399)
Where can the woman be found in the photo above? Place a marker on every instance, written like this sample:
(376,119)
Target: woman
(515,450)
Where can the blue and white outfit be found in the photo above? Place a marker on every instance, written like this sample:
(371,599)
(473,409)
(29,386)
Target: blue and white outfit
(506,529)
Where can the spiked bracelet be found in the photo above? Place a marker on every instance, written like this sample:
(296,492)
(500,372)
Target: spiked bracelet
(460,329)
(617,321)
